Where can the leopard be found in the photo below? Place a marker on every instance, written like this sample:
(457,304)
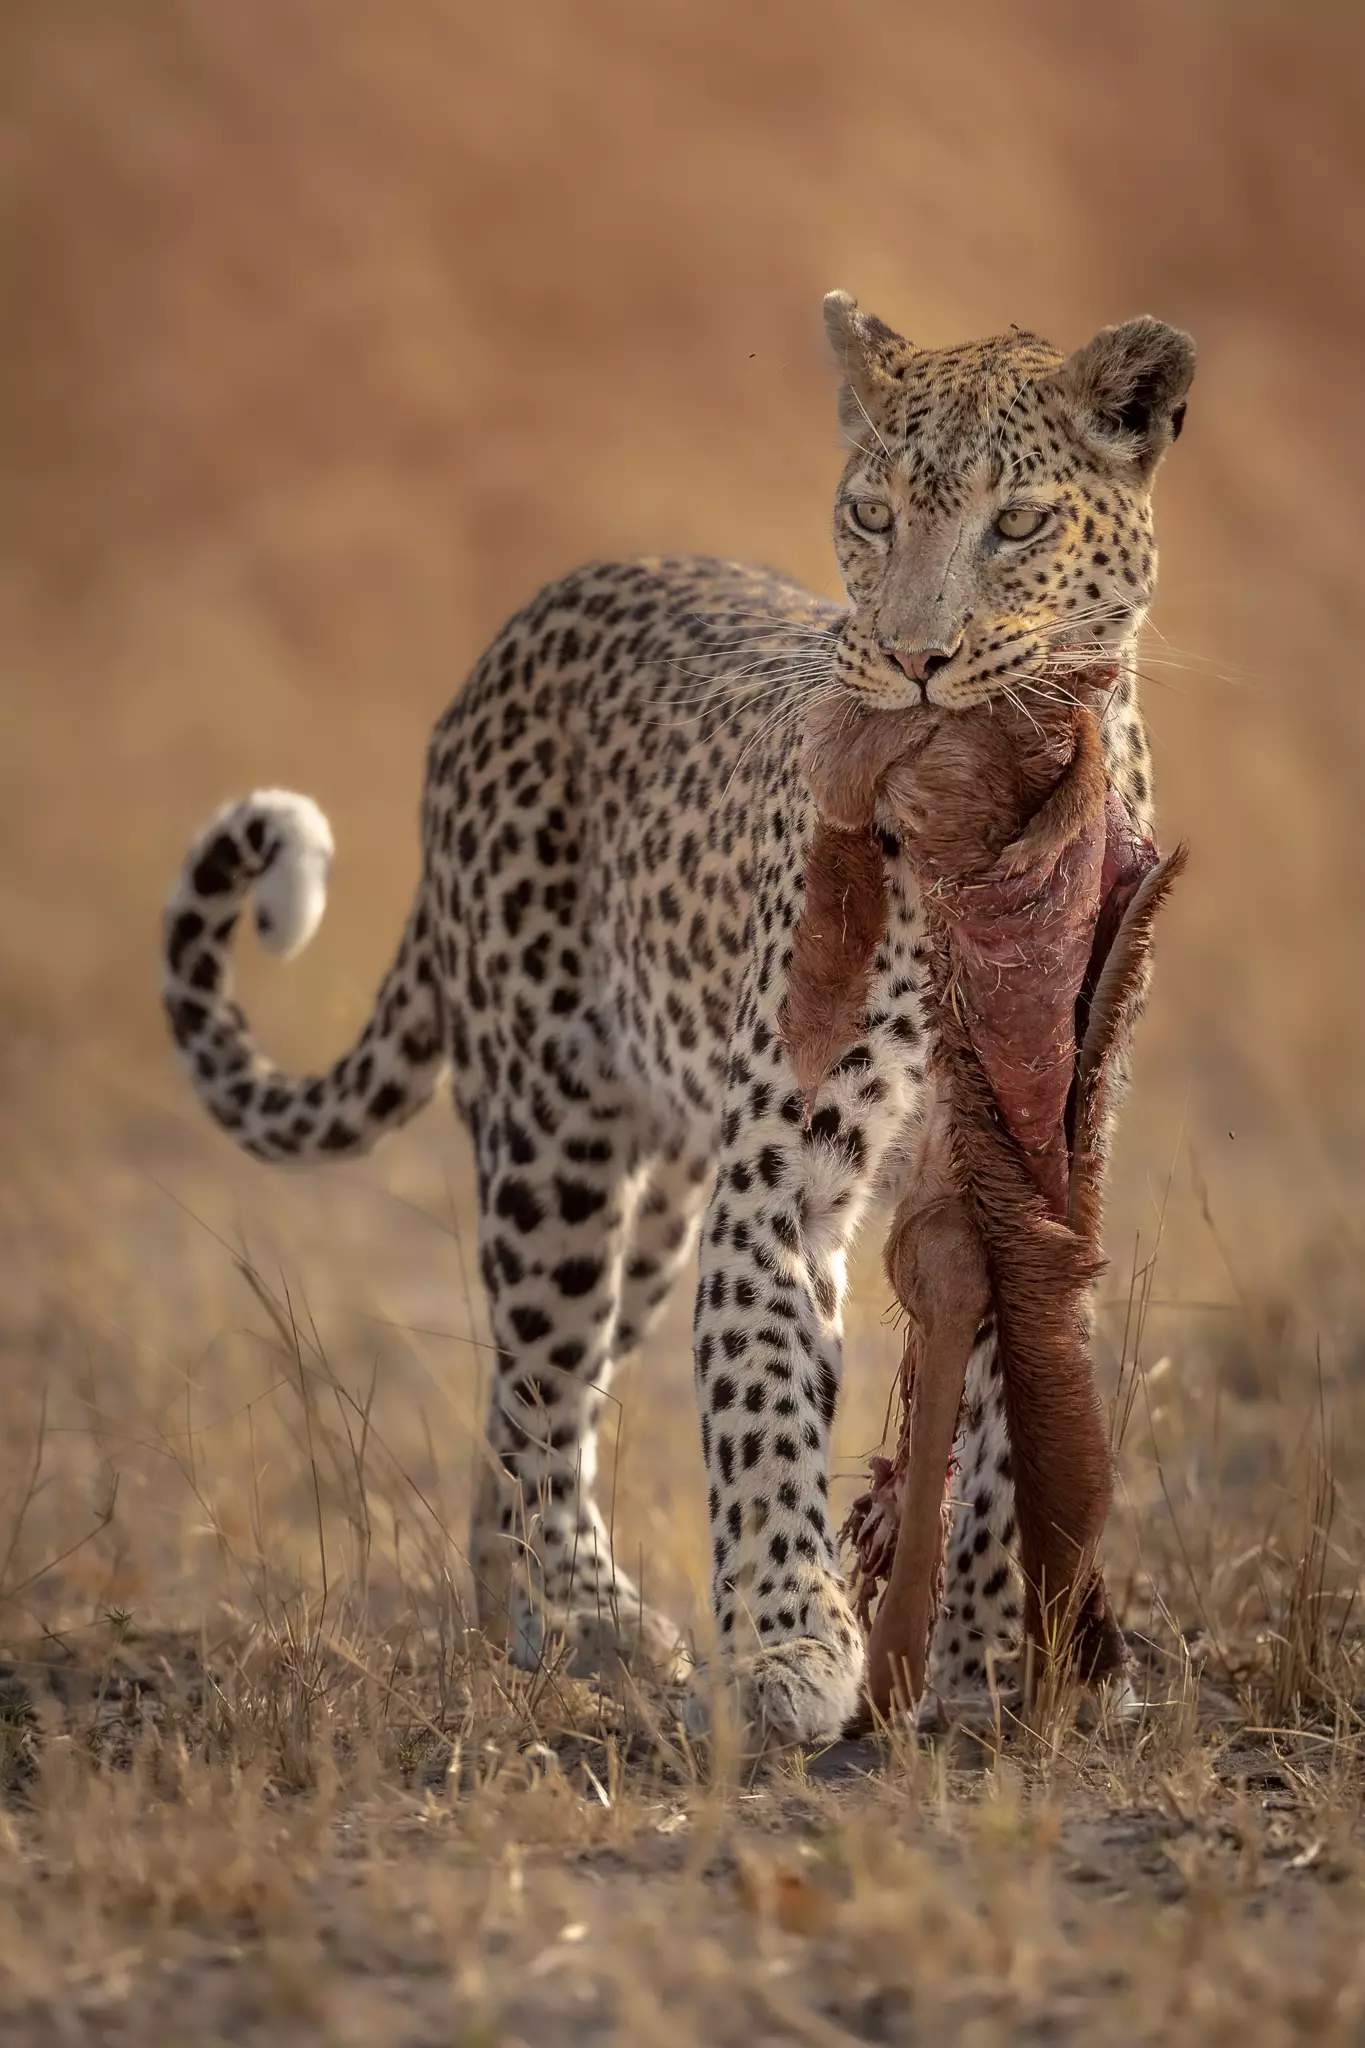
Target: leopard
(613,834)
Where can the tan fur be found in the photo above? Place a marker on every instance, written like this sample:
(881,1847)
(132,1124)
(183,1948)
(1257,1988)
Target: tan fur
(1039,898)
(936,1264)
(842,919)
(1002,815)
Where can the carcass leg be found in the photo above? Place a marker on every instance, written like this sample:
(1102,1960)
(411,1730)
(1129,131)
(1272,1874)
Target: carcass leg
(937,1267)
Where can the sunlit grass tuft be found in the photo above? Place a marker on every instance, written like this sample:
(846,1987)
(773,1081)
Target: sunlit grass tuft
(261,1767)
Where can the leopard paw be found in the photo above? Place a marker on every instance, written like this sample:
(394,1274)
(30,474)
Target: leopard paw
(803,1691)
(630,1636)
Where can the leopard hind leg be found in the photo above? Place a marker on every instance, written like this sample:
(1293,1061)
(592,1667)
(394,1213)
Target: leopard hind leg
(583,1229)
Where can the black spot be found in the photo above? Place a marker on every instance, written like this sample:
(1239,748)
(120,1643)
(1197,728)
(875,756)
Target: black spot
(529,1323)
(510,1261)
(517,1202)
(216,871)
(771,1166)
(188,1019)
(515,904)
(577,1276)
(578,1201)
(519,1143)
(588,1151)
(785,1230)
(188,927)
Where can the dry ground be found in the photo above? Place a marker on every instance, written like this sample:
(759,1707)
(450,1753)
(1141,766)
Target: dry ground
(328,332)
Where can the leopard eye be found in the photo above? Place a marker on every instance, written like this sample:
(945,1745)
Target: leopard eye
(872,514)
(1020,522)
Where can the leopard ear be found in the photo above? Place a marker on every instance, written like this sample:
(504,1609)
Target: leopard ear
(869,353)
(1126,390)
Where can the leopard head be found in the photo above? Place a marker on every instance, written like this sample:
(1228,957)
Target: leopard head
(993,524)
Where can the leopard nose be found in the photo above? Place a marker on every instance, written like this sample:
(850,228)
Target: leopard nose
(920,663)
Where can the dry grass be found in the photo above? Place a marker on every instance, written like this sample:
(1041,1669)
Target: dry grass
(264,1780)
(330,331)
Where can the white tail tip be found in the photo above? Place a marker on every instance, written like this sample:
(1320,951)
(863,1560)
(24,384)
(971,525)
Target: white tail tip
(291,895)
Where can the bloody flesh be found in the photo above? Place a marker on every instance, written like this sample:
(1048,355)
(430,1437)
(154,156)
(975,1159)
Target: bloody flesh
(1038,896)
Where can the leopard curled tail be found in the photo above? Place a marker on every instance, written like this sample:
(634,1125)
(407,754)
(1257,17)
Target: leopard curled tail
(274,850)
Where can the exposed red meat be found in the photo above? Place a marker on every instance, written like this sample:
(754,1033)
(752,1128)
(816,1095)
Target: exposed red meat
(1039,896)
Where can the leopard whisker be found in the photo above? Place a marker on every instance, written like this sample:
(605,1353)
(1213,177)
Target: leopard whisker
(770,725)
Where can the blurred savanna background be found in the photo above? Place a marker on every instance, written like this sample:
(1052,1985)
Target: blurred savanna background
(327,334)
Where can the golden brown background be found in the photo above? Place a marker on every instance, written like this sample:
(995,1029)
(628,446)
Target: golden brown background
(328,331)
